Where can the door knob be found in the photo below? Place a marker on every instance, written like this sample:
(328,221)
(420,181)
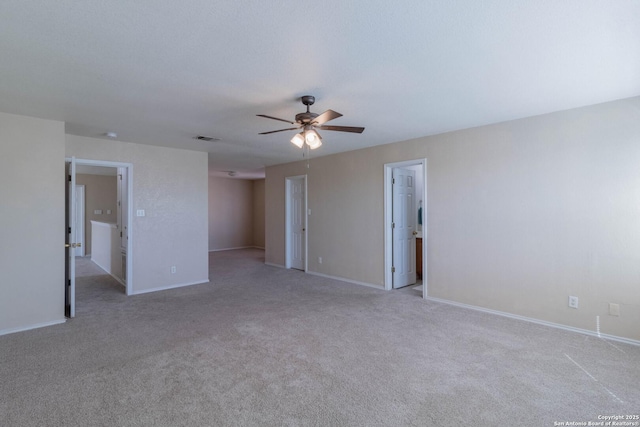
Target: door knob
(66,245)
(415,233)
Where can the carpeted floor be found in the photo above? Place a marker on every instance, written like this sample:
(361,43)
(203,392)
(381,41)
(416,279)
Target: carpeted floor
(265,346)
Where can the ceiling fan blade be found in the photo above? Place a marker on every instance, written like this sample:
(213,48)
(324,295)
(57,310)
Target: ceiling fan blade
(274,118)
(274,131)
(325,117)
(343,128)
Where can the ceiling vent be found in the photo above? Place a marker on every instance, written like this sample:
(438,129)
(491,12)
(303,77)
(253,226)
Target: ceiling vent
(206,138)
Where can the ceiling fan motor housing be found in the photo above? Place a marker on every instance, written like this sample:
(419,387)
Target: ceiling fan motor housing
(308,100)
(305,118)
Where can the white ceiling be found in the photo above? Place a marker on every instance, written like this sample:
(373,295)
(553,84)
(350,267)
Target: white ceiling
(163,71)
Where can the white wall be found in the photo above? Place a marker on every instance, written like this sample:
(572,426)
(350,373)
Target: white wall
(236,213)
(230,213)
(258,213)
(520,215)
(171,186)
(32,235)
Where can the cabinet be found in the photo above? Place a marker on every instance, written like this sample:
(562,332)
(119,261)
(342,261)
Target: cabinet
(419,258)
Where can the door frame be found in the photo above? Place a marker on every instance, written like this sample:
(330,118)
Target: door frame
(80,219)
(287,227)
(129,168)
(69,251)
(388,218)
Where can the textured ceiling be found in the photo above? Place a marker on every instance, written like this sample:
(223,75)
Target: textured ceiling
(160,72)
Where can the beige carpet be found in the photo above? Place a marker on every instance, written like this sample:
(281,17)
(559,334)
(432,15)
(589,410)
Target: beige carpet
(266,346)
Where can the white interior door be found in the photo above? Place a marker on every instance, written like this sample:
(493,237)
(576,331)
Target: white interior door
(297,223)
(403,228)
(79,220)
(71,244)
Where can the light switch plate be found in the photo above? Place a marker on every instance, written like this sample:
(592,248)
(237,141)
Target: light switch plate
(140,212)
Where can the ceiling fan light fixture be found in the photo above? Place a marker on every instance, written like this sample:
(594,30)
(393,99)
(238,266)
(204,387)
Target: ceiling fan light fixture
(298,140)
(311,136)
(315,144)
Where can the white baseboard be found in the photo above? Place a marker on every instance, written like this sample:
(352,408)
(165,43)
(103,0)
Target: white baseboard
(108,270)
(231,249)
(165,288)
(342,279)
(537,321)
(27,328)
(119,280)
(326,276)
(274,265)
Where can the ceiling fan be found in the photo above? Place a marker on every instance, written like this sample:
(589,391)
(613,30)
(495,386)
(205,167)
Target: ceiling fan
(309,122)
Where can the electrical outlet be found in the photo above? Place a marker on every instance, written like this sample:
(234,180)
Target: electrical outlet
(173,269)
(614,309)
(319,260)
(573,302)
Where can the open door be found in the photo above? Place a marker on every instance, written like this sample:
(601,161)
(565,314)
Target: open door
(70,244)
(403,229)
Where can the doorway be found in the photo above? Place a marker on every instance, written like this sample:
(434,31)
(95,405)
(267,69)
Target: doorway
(405,231)
(296,222)
(110,225)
